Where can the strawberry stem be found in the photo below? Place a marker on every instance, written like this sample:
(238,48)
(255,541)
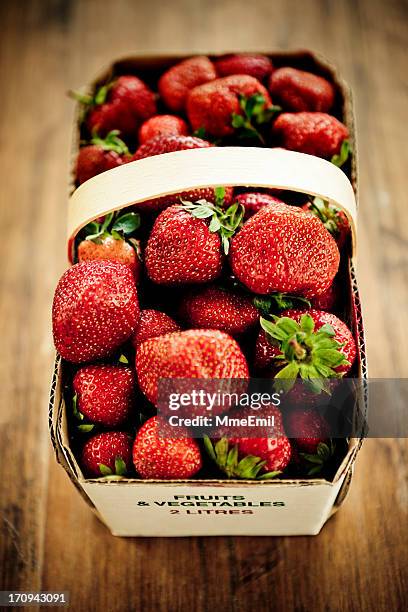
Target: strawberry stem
(254,114)
(328,215)
(85,99)
(340,158)
(111,142)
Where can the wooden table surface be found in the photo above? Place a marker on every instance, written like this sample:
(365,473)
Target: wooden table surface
(49,538)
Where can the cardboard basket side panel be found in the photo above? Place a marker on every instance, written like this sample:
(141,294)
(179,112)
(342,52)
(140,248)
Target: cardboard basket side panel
(56,416)
(188,509)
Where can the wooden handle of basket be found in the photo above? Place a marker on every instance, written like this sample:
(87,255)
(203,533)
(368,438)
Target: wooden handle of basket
(170,173)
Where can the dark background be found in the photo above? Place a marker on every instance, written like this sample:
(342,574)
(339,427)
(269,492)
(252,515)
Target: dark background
(49,537)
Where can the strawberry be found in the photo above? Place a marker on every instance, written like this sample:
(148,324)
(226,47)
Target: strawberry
(122,104)
(310,344)
(153,323)
(175,84)
(328,299)
(261,457)
(168,144)
(238,102)
(216,308)
(109,248)
(307,427)
(333,219)
(254,201)
(313,133)
(110,239)
(264,352)
(310,435)
(254,64)
(100,155)
(185,243)
(107,454)
(93,160)
(162,125)
(95,310)
(193,353)
(157,455)
(105,393)
(284,249)
(182,249)
(298,90)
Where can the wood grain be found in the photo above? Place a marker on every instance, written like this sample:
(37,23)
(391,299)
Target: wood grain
(49,537)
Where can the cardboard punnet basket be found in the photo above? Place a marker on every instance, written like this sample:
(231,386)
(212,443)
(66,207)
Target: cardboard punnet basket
(214,507)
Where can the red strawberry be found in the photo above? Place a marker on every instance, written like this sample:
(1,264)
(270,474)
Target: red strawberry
(193,353)
(254,201)
(93,160)
(168,144)
(298,90)
(162,125)
(254,64)
(313,133)
(95,310)
(182,249)
(284,249)
(311,344)
(153,323)
(216,308)
(251,457)
(216,106)
(107,453)
(105,393)
(100,155)
(304,396)
(328,299)
(156,454)
(112,249)
(333,219)
(177,81)
(112,238)
(275,451)
(308,428)
(121,105)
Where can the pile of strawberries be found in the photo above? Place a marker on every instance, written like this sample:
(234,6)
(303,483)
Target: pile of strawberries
(216,283)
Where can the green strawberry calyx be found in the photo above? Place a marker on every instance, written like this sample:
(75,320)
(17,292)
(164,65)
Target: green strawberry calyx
(339,159)
(119,225)
(268,304)
(327,213)
(120,468)
(226,458)
(224,222)
(111,142)
(317,461)
(88,100)
(254,114)
(200,133)
(307,353)
(83,427)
